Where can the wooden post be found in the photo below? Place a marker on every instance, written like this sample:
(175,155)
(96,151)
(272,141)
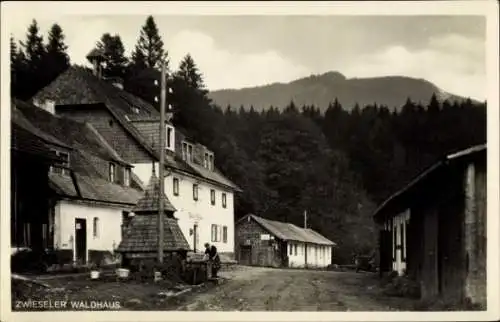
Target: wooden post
(161,166)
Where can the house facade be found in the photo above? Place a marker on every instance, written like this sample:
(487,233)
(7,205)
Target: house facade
(434,229)
(90,187)
(264,242)
(202,195)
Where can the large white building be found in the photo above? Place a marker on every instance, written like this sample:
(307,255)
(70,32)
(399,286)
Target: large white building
(202,195)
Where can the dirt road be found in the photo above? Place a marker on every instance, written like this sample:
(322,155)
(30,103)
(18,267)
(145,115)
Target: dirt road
(267,289)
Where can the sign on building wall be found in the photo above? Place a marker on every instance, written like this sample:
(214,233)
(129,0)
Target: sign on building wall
(265,237)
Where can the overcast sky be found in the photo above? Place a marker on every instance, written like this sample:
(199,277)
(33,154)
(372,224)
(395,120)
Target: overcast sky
(242,51)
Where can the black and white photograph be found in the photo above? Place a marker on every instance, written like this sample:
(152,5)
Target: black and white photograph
(176,157)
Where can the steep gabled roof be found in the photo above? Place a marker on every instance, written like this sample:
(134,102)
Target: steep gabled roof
(85,182)
(150,201)
(77,86)
(63,131)
(287,231)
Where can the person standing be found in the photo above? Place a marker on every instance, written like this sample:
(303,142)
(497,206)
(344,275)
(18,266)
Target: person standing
(213,256)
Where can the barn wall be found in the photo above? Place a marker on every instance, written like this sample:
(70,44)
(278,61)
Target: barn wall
(475,233)
(263,252)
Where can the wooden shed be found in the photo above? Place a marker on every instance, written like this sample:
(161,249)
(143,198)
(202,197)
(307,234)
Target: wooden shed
(264,242)
(434,229)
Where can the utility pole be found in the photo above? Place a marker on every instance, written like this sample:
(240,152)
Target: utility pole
(305,219)
(161,166)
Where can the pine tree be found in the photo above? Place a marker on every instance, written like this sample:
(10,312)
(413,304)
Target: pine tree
(149,52)
(35,69)
(114,51)
(56,60)
(189,73)
(14,67)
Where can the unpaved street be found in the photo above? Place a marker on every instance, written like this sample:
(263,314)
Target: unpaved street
(267,289)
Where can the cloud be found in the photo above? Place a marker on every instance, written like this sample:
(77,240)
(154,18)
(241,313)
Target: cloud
(454,63)
(224,69)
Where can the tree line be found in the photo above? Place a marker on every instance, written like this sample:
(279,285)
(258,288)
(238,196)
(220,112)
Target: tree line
(336,165)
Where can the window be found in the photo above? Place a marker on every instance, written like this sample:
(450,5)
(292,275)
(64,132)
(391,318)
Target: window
(205,160)
(63,164)
(224,234)
(291,249)
(195,192)
(211,162)
(212,196)
(219,233)
(403,250)
(169,137)
(295,249)
(224,200)
(176,187)
(190,155)
(96,227)
(214,233)
(187,152)
(126,177)
(111,172)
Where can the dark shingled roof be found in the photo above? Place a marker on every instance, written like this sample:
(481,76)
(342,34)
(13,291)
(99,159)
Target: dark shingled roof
(84,145)
(77,86)
(287,231)
(93,188)
(141,235)
(26,142)
(63,131)
(149,203)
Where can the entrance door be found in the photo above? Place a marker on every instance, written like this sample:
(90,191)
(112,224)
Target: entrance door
(196,239)
(246,255)
(81,240)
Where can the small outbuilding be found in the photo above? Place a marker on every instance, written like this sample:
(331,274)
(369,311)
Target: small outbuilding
(140,231)
(434,229)
(264,242)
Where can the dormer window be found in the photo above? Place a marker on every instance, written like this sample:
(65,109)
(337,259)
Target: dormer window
(135,110)
(170,139)
(187,152)
(208,161)
(126,177)
(62,166)
(111,172)
(211,162)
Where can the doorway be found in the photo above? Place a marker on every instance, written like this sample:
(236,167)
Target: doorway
(81,240)
(246,255)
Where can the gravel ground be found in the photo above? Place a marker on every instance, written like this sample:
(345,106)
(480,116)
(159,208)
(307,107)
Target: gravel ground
(267,289)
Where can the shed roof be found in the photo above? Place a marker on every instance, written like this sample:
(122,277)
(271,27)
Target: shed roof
(141,235)
(287,231)
(92,188)
(150,201)
(399,196)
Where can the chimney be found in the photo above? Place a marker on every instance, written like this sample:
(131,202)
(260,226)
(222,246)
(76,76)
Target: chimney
(305,219)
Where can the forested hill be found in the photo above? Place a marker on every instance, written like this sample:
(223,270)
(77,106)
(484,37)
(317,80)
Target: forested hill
(319,90)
